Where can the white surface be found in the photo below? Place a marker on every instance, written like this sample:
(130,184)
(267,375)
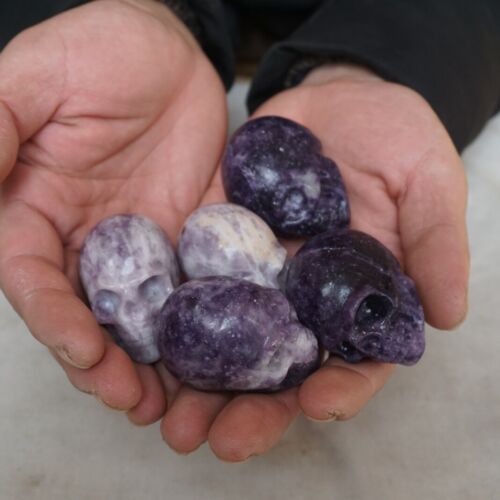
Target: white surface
(432,433)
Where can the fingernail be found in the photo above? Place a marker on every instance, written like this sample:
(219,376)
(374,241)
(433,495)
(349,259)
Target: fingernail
(108,406)
(181,453)
(64,353)
(242,461)
(331,417)
(177,452)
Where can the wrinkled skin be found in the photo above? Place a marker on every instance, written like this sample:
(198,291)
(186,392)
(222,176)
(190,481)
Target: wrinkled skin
(350,290)
(103,110)
(221,333)
(228,240)
(128,269)
(275,167)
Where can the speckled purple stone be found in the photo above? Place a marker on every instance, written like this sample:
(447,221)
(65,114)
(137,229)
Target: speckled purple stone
(128,268)
(221,333)
(274,167)
(349,289)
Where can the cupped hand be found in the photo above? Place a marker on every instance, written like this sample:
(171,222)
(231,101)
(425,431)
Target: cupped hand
(108,108)
(407,187)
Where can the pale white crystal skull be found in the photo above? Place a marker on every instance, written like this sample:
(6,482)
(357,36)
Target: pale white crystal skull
(225,239)
(128,269)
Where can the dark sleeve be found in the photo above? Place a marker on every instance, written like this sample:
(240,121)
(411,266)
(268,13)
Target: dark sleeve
(213,24)
(446,50)
(17,15)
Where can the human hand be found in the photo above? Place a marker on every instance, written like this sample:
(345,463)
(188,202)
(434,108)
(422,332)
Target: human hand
(104,109)
(406,187)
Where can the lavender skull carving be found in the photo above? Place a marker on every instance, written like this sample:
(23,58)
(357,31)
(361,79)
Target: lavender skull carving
(219,333)
(228,240)
(350,291)
(128,269)
(275,167)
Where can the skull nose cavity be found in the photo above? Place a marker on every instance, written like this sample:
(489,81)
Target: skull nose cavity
(373,310)
(105,305)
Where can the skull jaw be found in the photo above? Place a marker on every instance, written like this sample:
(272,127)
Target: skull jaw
(373,346)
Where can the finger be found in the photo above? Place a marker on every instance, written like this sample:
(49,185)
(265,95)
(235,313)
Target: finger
(9,142)
(434,238)
(114,380)
(251,424)
(153,404)
(31,277)
(338,390)
(171,385)
(186,425)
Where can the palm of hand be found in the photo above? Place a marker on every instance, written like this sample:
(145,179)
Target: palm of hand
(404,178)
(406,187)
(113,128)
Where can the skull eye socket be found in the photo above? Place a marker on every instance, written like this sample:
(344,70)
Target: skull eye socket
(154,289)
(105,306)
(372,310)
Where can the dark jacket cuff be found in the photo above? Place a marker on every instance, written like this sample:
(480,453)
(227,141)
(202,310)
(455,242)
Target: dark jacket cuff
(16,16)
(448,51)
(208,22)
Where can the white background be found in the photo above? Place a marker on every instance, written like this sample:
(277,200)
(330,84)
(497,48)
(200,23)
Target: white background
(432,433)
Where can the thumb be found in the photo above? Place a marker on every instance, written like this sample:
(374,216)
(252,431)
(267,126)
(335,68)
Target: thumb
(32,74)
(434,237)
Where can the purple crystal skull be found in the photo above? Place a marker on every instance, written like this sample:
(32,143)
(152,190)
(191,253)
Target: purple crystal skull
(221,333)
(349,289)
(128,269)
(228,240)
(274,167)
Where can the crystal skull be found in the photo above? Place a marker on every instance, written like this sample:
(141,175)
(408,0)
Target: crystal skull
(128,268)
(350,291)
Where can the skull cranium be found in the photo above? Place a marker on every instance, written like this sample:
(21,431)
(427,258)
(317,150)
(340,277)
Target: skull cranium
(128,269)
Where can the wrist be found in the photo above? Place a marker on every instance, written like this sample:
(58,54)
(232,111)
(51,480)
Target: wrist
(330,72)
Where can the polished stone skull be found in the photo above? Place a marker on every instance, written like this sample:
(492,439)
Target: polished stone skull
(350,291)
(275,167)
(128,269)
(225,239)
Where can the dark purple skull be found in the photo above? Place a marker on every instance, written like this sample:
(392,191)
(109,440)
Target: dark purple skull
(274,167)
(221,333)
(349,290)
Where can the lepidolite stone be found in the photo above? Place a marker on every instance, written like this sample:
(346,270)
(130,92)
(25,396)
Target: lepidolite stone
(128,269)
(350,291)
(228,240)
(274,167)
(222,333)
